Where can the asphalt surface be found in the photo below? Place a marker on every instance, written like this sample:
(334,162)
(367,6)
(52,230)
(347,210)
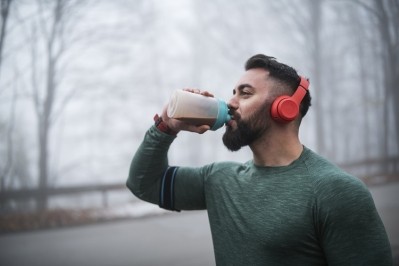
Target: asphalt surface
(174,239)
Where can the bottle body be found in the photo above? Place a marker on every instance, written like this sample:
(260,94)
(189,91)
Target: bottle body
(197,109)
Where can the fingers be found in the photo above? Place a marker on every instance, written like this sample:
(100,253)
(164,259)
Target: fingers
(198,91)
(193,128)
(177,126)
(207,93)
(199,129)
(192,90)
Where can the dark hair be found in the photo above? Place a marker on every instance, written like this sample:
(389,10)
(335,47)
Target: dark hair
(286,78)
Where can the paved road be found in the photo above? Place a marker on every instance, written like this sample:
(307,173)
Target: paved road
(386,199)
(170,240)
(148,241)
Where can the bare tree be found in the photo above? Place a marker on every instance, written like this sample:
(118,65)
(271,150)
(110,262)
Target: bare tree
(385,13)
(8,156)
(9,145)
(52,28)
(4,9)
(315,42)
(305,19)
(362,55)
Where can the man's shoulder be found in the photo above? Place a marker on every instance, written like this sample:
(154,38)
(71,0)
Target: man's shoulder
(324,173)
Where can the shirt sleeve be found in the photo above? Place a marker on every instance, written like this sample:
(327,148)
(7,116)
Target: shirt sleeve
(189,188)
(153,180)
(149,165)
(349,226)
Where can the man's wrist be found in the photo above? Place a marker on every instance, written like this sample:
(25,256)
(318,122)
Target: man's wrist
(163,126)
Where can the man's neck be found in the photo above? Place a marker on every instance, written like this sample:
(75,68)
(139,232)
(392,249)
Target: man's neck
(276,149)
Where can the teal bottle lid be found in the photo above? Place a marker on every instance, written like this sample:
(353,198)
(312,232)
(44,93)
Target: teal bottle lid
(223,115)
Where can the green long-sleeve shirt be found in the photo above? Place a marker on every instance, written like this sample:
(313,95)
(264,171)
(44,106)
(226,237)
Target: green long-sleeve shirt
(307,213)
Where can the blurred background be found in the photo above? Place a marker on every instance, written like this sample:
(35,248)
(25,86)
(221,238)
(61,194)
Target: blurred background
(80,81)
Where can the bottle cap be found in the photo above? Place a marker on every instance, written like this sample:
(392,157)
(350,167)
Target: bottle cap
(223,115)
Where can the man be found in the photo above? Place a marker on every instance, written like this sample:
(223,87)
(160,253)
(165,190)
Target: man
(286,206)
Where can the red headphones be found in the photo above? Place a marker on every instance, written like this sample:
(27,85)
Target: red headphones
(286,108)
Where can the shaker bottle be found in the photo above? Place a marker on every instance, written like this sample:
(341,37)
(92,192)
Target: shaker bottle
(198,109)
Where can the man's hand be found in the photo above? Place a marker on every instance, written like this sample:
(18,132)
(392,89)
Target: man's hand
(177,125)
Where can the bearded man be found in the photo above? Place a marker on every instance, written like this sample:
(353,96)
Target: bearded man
(285,206)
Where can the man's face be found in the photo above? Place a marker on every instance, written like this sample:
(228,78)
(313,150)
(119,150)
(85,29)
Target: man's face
(250,106)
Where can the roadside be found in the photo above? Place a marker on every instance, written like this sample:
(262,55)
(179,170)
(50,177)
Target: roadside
(175,239)
(59,218)
(385,196)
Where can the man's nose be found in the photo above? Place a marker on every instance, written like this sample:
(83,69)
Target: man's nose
(233,103)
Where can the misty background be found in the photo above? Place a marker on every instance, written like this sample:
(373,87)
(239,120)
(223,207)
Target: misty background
(80,82)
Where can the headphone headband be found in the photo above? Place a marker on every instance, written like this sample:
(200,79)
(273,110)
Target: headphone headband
(301,91)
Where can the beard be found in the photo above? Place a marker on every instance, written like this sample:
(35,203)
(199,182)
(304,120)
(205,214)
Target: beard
(248,130)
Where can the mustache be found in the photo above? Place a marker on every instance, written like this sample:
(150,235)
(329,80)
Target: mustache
(234,115)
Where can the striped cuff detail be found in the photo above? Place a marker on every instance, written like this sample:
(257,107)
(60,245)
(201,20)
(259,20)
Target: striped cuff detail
(166,193)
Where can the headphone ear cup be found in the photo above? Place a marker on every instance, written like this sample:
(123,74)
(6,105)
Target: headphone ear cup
(284,109)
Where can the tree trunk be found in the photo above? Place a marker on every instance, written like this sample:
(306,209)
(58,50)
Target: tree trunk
(43,166)
(387,25)
(317,90)
(5,7)
(47,108)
